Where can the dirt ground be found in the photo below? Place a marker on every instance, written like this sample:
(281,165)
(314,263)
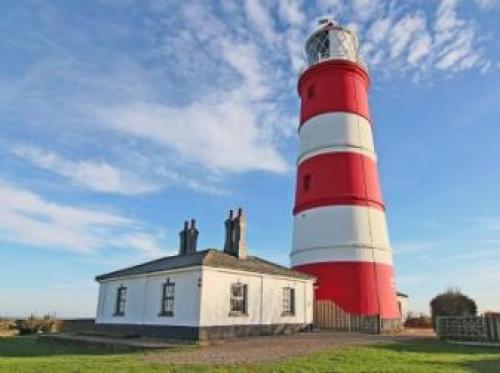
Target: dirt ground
(276,348)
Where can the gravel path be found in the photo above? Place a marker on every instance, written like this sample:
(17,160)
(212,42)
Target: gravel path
(272,348)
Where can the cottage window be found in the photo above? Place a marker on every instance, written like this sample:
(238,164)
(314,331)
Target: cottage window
(288,301)
(167,298)
(121,299)
(238,300)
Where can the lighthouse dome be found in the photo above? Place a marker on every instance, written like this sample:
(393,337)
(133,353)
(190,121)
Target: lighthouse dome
(331,41)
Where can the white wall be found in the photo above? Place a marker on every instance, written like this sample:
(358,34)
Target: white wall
(208,305)
(144,295)
(264,298)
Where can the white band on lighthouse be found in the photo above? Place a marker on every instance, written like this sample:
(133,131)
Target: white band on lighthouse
(343,253)
(336,132)
(350,232)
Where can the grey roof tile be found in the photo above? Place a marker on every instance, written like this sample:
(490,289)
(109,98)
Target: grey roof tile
(210,258)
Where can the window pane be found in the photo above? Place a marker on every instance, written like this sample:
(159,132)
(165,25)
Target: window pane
(288,300)
(238,298)
(167,304)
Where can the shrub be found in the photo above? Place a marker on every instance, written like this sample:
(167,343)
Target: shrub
(420,321)
(6,324)
(452,303)
(34,325)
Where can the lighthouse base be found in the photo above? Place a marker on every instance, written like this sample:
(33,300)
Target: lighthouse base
(329,316)
(354,296)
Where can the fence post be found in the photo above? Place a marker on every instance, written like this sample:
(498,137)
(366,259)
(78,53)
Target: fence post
(497,328)
(438,327)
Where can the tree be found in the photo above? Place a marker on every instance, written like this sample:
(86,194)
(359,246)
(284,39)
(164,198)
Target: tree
(452,303)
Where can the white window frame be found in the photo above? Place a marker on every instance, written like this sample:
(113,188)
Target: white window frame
(238,301)
(288,301)
(167,298)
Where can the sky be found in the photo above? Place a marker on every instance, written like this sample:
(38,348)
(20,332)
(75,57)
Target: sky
(120,119)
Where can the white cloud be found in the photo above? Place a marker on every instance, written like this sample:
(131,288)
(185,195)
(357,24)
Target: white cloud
(240,125)
(143,242)
(486,4)
(379,29)
(403,32)
(219,93)
(291,12)
(412,247)
(244,59)
(259,15)
(454,39)
(97,176)
(420,48)
(410,41)
(221,133)
(365,9)
(28,219)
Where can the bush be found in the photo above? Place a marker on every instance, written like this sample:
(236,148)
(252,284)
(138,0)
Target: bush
(420,321)
(452,303)
(6,324)
(34,325)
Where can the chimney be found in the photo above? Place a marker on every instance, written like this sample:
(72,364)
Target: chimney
(193,238)
(240,235)
(188,238)
(228,223)
(183,237)
(236,228)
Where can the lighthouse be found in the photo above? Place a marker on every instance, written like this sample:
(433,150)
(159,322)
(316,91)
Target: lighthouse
(339,229)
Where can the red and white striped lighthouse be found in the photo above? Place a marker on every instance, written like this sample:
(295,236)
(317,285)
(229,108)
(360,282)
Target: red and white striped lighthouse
(340,232)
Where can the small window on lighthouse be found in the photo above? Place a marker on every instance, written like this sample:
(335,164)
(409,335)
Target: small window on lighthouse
(310,92)
(307,182)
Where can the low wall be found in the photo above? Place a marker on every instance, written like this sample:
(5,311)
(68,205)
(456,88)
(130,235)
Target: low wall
(75,325)
(200,333)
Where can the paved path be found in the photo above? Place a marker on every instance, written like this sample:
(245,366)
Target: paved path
(273,348)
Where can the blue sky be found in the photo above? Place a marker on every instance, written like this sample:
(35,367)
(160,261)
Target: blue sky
(120,119)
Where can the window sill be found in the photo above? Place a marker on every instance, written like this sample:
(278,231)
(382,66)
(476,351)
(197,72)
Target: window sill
(118,314)
(166,314)
(287,314)
(238,314)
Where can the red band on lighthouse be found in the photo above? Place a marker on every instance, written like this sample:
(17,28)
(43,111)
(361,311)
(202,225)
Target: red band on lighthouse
(337,179)
(333,86)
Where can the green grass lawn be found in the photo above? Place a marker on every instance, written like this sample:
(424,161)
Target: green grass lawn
(26,354)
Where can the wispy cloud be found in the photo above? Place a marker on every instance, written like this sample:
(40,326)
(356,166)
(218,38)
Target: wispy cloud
(416,43)
(487,4)
(412,247)
(97,176)
(257,13)
(219,134)
(216,97)
(27,218)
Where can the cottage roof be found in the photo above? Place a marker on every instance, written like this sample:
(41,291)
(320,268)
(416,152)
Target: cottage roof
(210,258)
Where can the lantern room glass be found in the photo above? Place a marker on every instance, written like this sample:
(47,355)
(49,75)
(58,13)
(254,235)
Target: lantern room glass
(332,42)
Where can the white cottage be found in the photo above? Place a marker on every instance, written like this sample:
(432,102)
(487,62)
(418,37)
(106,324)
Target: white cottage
(206,294)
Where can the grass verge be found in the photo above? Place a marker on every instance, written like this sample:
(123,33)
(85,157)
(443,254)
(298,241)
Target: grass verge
(27,354)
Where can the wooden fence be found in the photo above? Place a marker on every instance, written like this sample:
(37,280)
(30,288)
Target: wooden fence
(469,328)
(327,315)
